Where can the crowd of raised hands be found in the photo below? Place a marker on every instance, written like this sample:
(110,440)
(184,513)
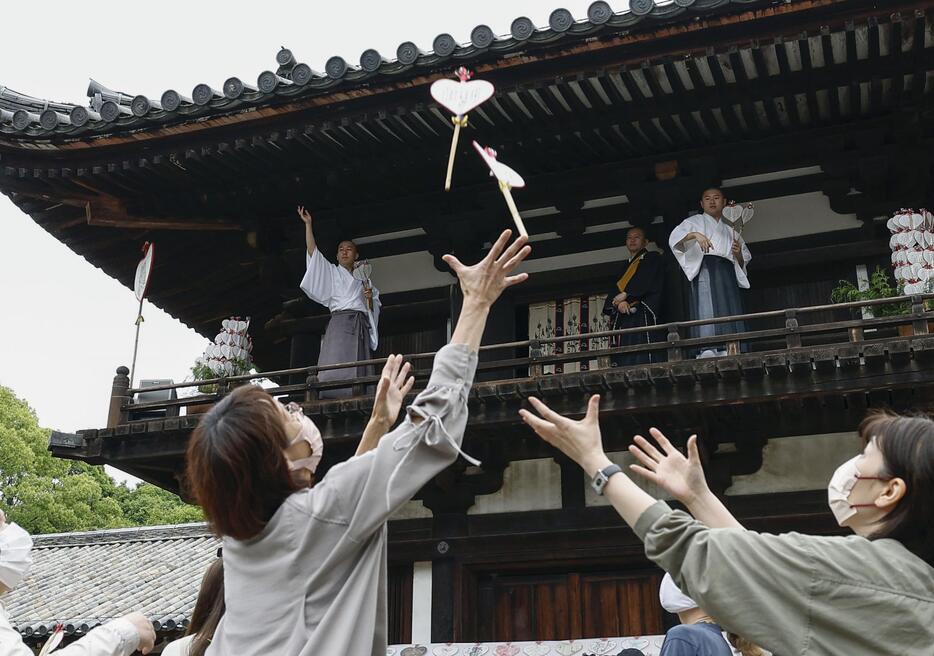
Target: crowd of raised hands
(658,461)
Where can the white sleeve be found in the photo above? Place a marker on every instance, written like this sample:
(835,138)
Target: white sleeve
(679,233)
(318,283)
(690,256)
(115,638)
(11,642)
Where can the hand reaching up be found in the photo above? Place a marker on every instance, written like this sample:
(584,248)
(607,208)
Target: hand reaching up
(579,440)
(682,477)
(304,215)
(394,384)
(483,282)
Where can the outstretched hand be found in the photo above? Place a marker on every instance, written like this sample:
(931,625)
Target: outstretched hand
(147,636)
(682,477)
(304,215)
(483,282)
(579,440)
(394,384)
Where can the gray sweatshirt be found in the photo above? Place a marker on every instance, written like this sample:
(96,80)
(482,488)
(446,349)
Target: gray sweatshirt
(313,582)
(798,594)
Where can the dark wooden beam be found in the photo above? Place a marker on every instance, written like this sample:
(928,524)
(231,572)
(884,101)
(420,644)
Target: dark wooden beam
(112,213)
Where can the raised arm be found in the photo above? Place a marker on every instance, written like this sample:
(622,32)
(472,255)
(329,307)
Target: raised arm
(394,384)
(305,216)
(483,283)
(366,490)
(581,441)
(683,478)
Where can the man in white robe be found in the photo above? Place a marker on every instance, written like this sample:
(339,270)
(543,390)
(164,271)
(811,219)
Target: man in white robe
(351,334)
(714,257)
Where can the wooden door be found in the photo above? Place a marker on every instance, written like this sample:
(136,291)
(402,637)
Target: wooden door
(399,595)
(560,606)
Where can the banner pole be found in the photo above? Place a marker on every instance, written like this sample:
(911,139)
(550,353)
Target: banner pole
(139,320)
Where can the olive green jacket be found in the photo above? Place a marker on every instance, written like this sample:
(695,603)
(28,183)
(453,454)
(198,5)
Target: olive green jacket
(798,594)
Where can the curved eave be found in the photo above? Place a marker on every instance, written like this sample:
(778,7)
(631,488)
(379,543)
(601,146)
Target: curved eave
(350,81)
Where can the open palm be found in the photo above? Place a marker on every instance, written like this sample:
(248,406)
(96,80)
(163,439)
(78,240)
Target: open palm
(394,384)
(682,477)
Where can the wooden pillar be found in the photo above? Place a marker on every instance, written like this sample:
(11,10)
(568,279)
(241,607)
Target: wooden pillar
(572,484)
(444,566)
(119,396)
(303,352)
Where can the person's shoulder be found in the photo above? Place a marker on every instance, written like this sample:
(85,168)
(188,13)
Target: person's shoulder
(686,632)
(178,647)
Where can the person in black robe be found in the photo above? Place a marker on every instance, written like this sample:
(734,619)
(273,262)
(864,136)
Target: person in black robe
(636,299)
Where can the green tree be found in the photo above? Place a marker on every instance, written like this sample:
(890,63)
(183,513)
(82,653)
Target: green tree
(44,494)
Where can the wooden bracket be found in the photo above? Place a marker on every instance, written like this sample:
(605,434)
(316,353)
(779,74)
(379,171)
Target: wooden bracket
(111,212)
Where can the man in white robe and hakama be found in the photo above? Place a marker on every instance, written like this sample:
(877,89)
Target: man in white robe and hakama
(714,257)
(351,334)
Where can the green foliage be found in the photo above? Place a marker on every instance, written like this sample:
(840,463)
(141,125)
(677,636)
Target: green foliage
(880,286)
(44,494)
(201,371)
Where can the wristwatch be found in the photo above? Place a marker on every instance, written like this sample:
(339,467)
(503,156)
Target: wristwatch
(602,477)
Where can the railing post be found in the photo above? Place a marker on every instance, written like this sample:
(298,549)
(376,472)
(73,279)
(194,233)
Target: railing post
(358,389)
(856,333)
(535,354)
(919,326)
(792,336)
(674,350)
(311,394)
(119,397)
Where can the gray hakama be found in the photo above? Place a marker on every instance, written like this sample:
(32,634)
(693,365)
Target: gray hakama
(347,339)
(714,293)
(351,334)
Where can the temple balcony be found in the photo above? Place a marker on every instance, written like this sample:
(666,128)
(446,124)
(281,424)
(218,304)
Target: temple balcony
(792,372)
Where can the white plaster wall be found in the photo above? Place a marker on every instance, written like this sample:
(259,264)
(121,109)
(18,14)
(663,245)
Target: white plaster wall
(527,485)
(412,510)
(400,273)
(775,218)
(793,216)
(421,602)
(794,464)
(623,459)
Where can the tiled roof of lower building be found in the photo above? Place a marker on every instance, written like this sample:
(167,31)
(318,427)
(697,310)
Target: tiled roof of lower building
(86,579)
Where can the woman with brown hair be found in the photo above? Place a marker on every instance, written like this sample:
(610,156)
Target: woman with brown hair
(870,593)
(209,608)
(305,569)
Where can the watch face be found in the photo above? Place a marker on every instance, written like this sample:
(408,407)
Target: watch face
(598,482)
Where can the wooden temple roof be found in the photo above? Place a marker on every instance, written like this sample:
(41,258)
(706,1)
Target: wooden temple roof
(585,109)
(112,112)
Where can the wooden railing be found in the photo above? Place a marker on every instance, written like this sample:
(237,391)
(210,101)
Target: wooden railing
(676,345)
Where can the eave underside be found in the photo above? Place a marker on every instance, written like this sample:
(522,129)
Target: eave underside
(846,90)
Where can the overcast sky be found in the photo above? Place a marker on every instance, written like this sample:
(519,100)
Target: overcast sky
(65,325)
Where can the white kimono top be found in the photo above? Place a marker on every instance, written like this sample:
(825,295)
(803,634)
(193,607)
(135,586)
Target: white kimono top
(690,255)
(335,287)
(115,638)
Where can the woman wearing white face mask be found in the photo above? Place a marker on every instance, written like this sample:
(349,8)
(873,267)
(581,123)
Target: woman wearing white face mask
(871,593)
(119,637)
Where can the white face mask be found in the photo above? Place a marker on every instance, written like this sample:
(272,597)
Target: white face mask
(310,434)
(15,558)
(841,485)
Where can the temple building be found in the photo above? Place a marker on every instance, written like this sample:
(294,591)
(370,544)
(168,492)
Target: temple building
(819,112)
